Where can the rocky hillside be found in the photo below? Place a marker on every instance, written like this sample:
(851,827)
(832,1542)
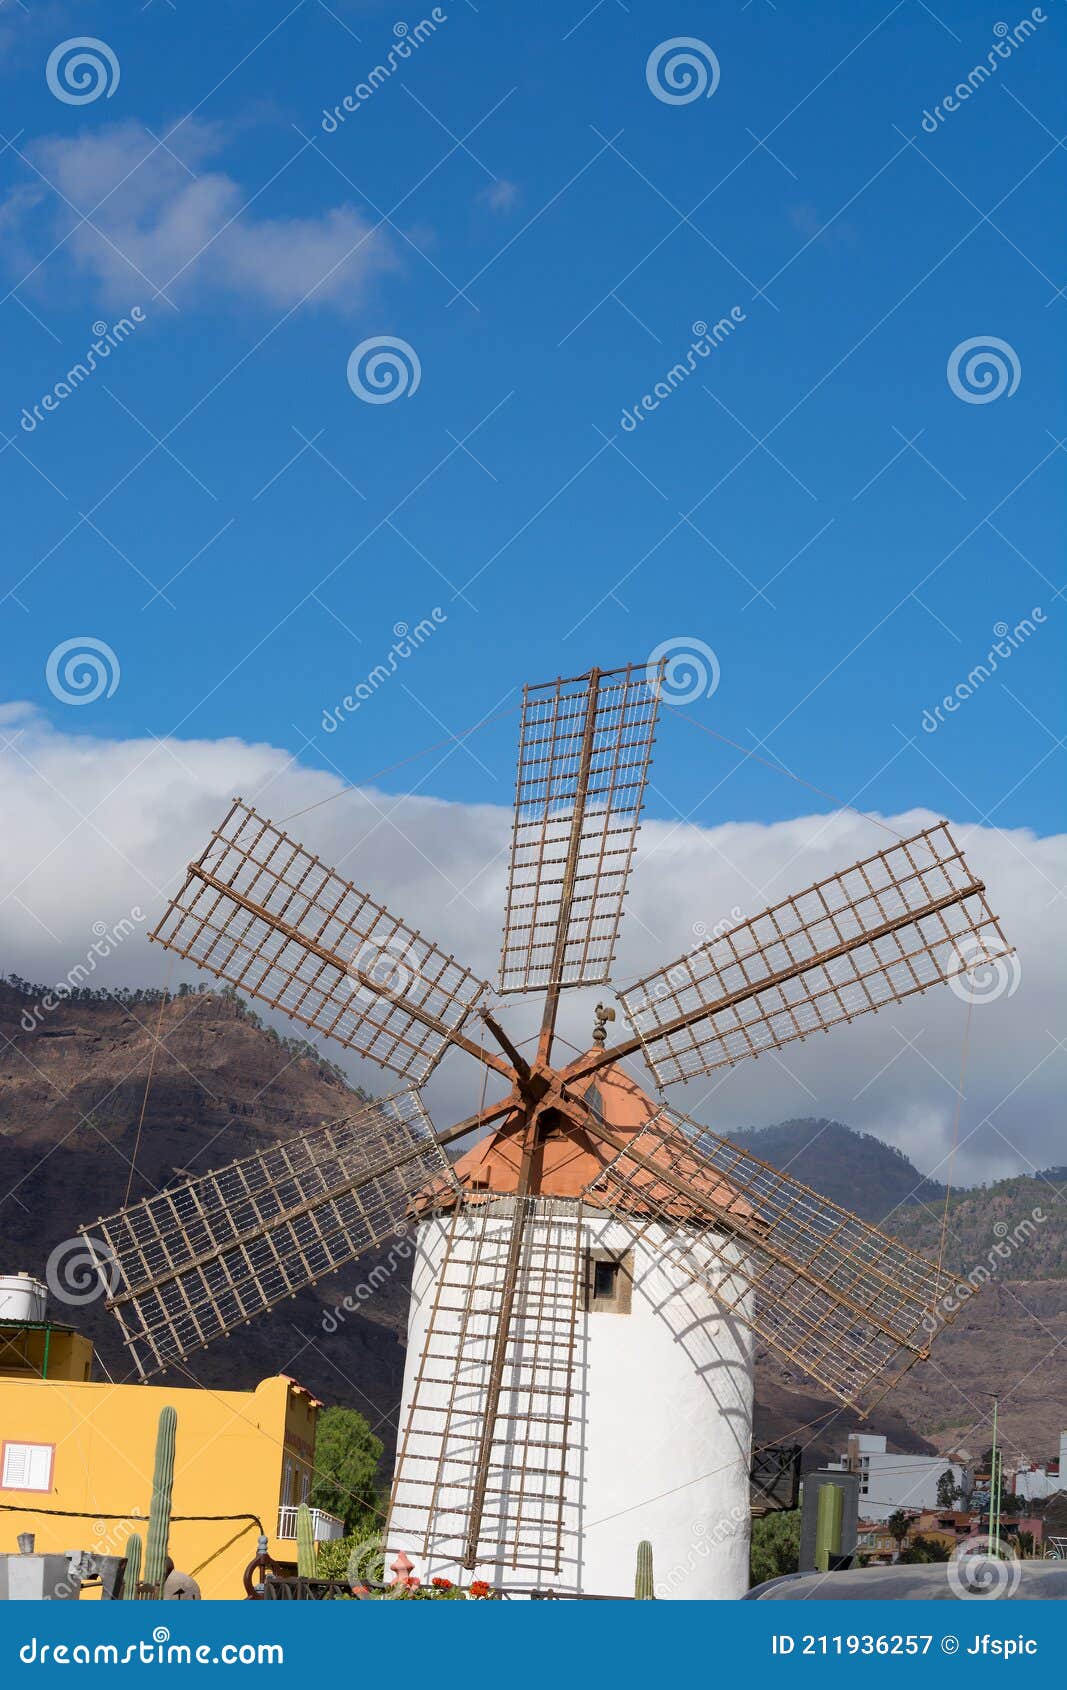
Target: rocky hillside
(71,1091)
(854,1169)
(72,1083)
(1007,1241)
(1016,1228)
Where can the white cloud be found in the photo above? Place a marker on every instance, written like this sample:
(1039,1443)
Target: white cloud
(160,218)
(500,195)
(149,807)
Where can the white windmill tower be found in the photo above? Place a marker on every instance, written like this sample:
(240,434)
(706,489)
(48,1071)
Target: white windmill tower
(592,1277)
(624,1403)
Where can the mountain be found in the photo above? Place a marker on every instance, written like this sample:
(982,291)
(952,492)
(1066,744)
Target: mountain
(73,1084)
(854,1169)
(1014,1229)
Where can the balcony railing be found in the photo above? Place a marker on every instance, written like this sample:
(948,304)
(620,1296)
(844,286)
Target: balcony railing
(323,1526)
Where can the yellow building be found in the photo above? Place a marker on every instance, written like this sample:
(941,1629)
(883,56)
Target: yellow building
(76,1460)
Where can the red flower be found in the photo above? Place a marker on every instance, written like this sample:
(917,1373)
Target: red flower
(479,1588)
(441,1584)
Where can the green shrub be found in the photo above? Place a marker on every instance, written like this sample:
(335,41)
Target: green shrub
(775,1545)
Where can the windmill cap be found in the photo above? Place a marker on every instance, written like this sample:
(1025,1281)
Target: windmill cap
(572,1161)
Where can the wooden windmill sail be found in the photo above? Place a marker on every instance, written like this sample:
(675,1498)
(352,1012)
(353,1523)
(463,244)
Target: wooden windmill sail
(834,1296)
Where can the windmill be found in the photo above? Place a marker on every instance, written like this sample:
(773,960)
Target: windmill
(529,1417)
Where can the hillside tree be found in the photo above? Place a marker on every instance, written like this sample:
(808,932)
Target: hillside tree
(948,1490)
(344,1482)
(775,1545)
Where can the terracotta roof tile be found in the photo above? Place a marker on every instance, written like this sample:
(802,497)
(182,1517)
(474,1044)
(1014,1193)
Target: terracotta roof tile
(574,1160)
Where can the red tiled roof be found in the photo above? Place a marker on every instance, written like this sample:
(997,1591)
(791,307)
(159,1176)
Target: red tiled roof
(573,1160)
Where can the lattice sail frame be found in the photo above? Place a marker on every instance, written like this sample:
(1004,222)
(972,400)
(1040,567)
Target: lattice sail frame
(827,1292)
(262,913)
(909,917)
(528,1512)
(196,1260)
(584,750)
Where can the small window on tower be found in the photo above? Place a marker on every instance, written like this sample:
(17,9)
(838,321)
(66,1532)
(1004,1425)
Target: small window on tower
(608,1281)
(605,1275)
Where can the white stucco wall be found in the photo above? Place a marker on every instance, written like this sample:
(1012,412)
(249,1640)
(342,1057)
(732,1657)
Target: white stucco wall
(661,1410)
(1035,1484)
(890,1482)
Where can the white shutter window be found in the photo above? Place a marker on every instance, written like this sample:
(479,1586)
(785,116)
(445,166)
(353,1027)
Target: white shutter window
(27,1467)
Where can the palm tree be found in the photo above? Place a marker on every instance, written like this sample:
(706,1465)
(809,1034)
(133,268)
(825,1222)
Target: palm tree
(898,1526)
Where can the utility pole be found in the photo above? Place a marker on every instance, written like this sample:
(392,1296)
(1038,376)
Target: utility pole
(996,1463)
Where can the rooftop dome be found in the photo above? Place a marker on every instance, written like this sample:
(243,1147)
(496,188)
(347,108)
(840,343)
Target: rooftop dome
(568,1159)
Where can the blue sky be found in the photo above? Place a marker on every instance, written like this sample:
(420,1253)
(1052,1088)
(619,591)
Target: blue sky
(552,232)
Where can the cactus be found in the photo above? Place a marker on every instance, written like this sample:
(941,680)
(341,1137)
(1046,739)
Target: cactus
(155,1558)
(644,1590)
(131,1576)
(305,1543)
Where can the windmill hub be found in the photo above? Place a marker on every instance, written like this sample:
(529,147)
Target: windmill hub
(545,1088)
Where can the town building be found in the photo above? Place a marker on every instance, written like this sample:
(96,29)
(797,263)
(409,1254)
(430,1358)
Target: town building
(1054,1522)
(890,1481)
(948,1527)
(1034,1484)
(77,1454)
